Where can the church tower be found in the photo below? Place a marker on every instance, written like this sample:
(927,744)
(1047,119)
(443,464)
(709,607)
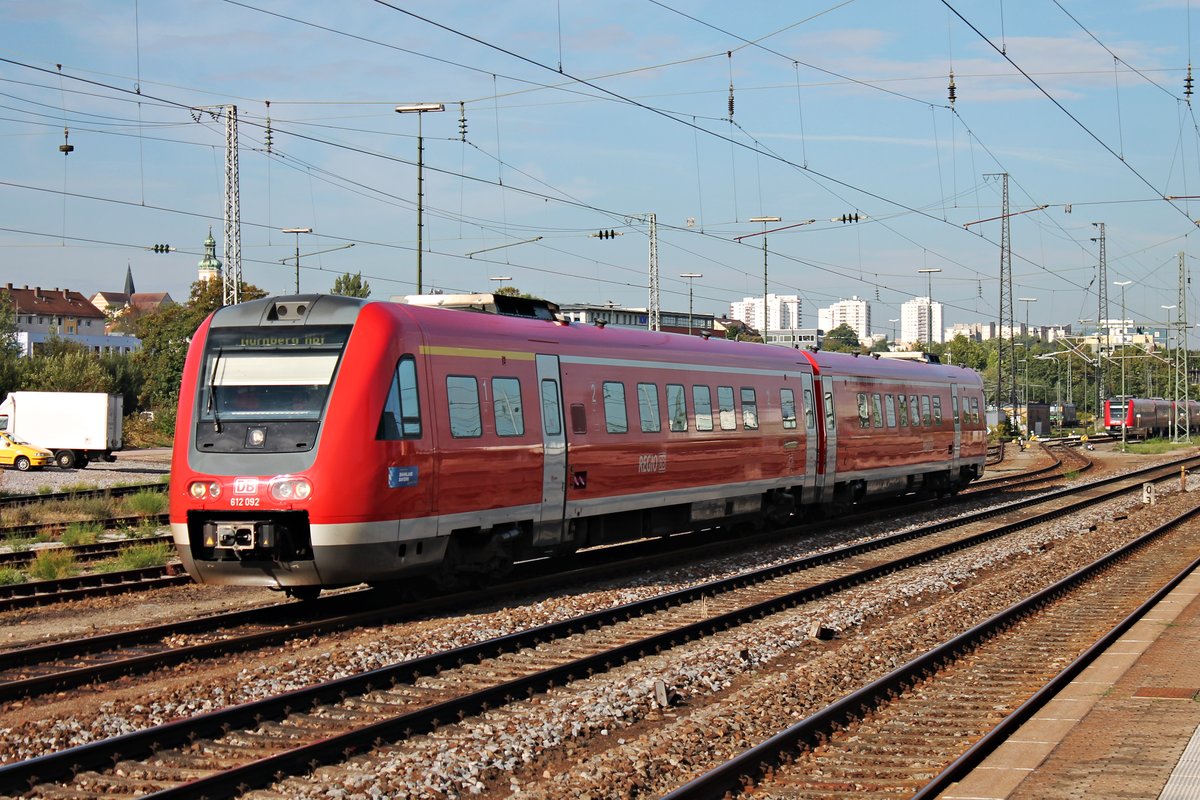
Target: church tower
(210,265)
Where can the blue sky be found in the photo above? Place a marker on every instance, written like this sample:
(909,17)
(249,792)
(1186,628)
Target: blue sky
(583,117)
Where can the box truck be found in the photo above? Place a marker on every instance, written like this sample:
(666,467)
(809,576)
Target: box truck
(77,427)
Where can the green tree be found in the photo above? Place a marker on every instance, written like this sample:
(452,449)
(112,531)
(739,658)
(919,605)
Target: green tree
(10,349)
(61,365)
(842,339)
(351,286)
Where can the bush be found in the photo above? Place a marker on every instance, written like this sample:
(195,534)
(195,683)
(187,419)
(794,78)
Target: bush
(10,576)
(139,557)
(80,533)
(147,504)
(53,564)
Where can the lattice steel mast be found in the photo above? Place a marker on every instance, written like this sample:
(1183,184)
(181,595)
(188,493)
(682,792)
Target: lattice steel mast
(232,293)
(1182,418)
(1102,319)
(655,309)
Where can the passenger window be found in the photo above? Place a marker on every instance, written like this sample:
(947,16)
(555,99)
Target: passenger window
(864,411)
(925,418)
(551,419)
(954,403)
(810,411)
(702,404)
(975,409)
(787,409)
(648,407)
(890,407)
(725,408)
(506,406)
(937,410)
(877,405)
(401,418)
(615,418)
(914,416)
(829,418)
(903,410)
(749,409)
(463,395)
(677,407)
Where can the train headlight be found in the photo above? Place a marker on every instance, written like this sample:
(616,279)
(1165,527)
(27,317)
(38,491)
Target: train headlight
(291,489)
(201,490)
(255,437)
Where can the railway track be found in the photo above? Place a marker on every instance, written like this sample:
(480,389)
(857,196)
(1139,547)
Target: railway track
(97,551)
(17,532)
(79,494)
(254,743)
(101,584)
(916,730)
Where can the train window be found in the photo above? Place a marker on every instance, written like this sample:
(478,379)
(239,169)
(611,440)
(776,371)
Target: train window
(401,417)
(903,411)
(462,393)
(615,418)
(551,419)
(648,407)
(749,409)
(864,411)
(810,411)
(914,416)
(787,409)
(937,410)
(890,406)
(877,405)
(954,404)
(702,403)
(975,409)
(829,418)
(725,411)
(677,407)
(506,405)
(925,418)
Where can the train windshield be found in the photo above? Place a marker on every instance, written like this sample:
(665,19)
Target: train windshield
(250,374)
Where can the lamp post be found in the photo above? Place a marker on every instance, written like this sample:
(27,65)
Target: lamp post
(690,277)
(297,231)
(501,279)
(1124,398)
(766,314)
(419,109)
(928,272)
(1028,347)
(894,321)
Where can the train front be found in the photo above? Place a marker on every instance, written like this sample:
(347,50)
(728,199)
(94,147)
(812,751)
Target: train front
(253,400)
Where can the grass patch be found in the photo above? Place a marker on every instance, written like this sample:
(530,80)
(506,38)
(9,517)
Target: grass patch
(53,564)
(147,504)
(19,544)
(81,533)
(1152,447)
(11,575)
(138,557)
(1071,474)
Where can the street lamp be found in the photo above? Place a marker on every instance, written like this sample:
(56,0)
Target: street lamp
(419,109)
(297,231)
(894,321)
(690,277)
(501,279)
(1124,398)
(928,271)
(1028,347)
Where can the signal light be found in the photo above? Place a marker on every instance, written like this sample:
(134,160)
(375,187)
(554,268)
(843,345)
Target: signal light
(161,248)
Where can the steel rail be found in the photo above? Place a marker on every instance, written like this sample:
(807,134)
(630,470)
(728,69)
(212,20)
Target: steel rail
(62,764)
(749,766)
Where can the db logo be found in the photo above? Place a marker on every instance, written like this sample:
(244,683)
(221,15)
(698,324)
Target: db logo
(245,486)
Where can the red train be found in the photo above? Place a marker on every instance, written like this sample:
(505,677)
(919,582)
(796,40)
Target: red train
(1145,418)
(326,441)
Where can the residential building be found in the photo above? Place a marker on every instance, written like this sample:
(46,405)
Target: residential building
(45,313)
(854,312)
(610,314)
(921,321)
(783,313)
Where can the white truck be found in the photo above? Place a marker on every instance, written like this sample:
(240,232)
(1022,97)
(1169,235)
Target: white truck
(77,427)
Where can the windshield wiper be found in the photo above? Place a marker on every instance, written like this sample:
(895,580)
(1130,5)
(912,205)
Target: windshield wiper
(212,392)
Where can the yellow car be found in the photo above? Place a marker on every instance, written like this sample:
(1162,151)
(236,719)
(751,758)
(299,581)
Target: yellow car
(22,455)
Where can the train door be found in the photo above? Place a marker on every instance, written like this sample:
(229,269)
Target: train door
(549,525)
(829,458)
(957,403)
(812,478)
